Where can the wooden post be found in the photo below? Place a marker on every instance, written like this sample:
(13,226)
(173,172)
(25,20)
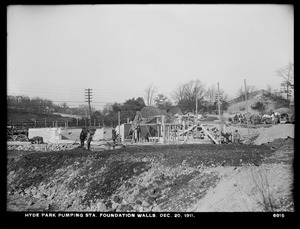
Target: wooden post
(94,122)
(196,106)
(169,134)
(157,128)
(77,121)
(45,122)
(163,128)
(219,102)
(247,115)
(52,123)
(119,122)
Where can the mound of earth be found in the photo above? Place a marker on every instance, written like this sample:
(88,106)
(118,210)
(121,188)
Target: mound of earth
(268,103)
(149,111)
(137,179)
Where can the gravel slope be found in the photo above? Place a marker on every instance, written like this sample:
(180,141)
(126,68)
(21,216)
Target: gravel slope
(143,178)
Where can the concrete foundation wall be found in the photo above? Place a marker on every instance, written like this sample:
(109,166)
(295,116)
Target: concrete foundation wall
(74,134)
(56,135)
(49,134)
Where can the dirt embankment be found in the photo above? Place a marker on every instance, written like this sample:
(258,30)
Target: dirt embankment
(144,178)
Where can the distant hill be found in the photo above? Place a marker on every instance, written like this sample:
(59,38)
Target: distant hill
(28,119)
(260,103)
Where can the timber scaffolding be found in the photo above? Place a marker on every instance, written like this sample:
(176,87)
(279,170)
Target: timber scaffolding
(170,133)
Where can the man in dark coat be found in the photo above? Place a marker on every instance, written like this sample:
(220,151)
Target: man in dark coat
(114,135)
(82,137)
(138,132)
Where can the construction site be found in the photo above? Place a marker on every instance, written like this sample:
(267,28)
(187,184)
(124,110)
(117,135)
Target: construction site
(158,162)
(144,111)
(179,163)
(158,129)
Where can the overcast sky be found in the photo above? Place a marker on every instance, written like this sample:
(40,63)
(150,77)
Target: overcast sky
(55,52)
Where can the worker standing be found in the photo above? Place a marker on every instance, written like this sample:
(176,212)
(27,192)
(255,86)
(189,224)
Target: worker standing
(138,133)
(236,137)
(114,136)
(90,136)
(82,137)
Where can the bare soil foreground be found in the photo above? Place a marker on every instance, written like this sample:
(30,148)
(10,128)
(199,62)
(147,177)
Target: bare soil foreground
(176,178)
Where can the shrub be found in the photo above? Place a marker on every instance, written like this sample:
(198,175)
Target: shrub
(258,106)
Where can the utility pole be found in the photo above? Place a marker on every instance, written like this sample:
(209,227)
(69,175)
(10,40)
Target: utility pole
(88,97)
(247,115)
(219,102)
(196,106)
(119,122)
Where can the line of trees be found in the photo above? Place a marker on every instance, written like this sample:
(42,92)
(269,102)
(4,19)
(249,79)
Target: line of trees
(34,105)
(38,105)
(184,98)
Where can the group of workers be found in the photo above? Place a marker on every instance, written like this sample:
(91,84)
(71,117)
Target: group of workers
(235,137)
(88,134)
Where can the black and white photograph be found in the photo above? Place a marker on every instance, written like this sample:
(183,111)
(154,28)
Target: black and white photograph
(150,110)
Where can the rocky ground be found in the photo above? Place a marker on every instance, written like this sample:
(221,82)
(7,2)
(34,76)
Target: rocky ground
(154,178)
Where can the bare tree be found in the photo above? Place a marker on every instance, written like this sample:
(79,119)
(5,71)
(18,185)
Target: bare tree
(287,73)
(189,91)
(185,95)
(149,94)
(210,96)
(194,88)
(178,93)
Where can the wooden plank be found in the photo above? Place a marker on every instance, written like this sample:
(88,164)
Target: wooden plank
(184,141)
(188,129)
(207,132)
